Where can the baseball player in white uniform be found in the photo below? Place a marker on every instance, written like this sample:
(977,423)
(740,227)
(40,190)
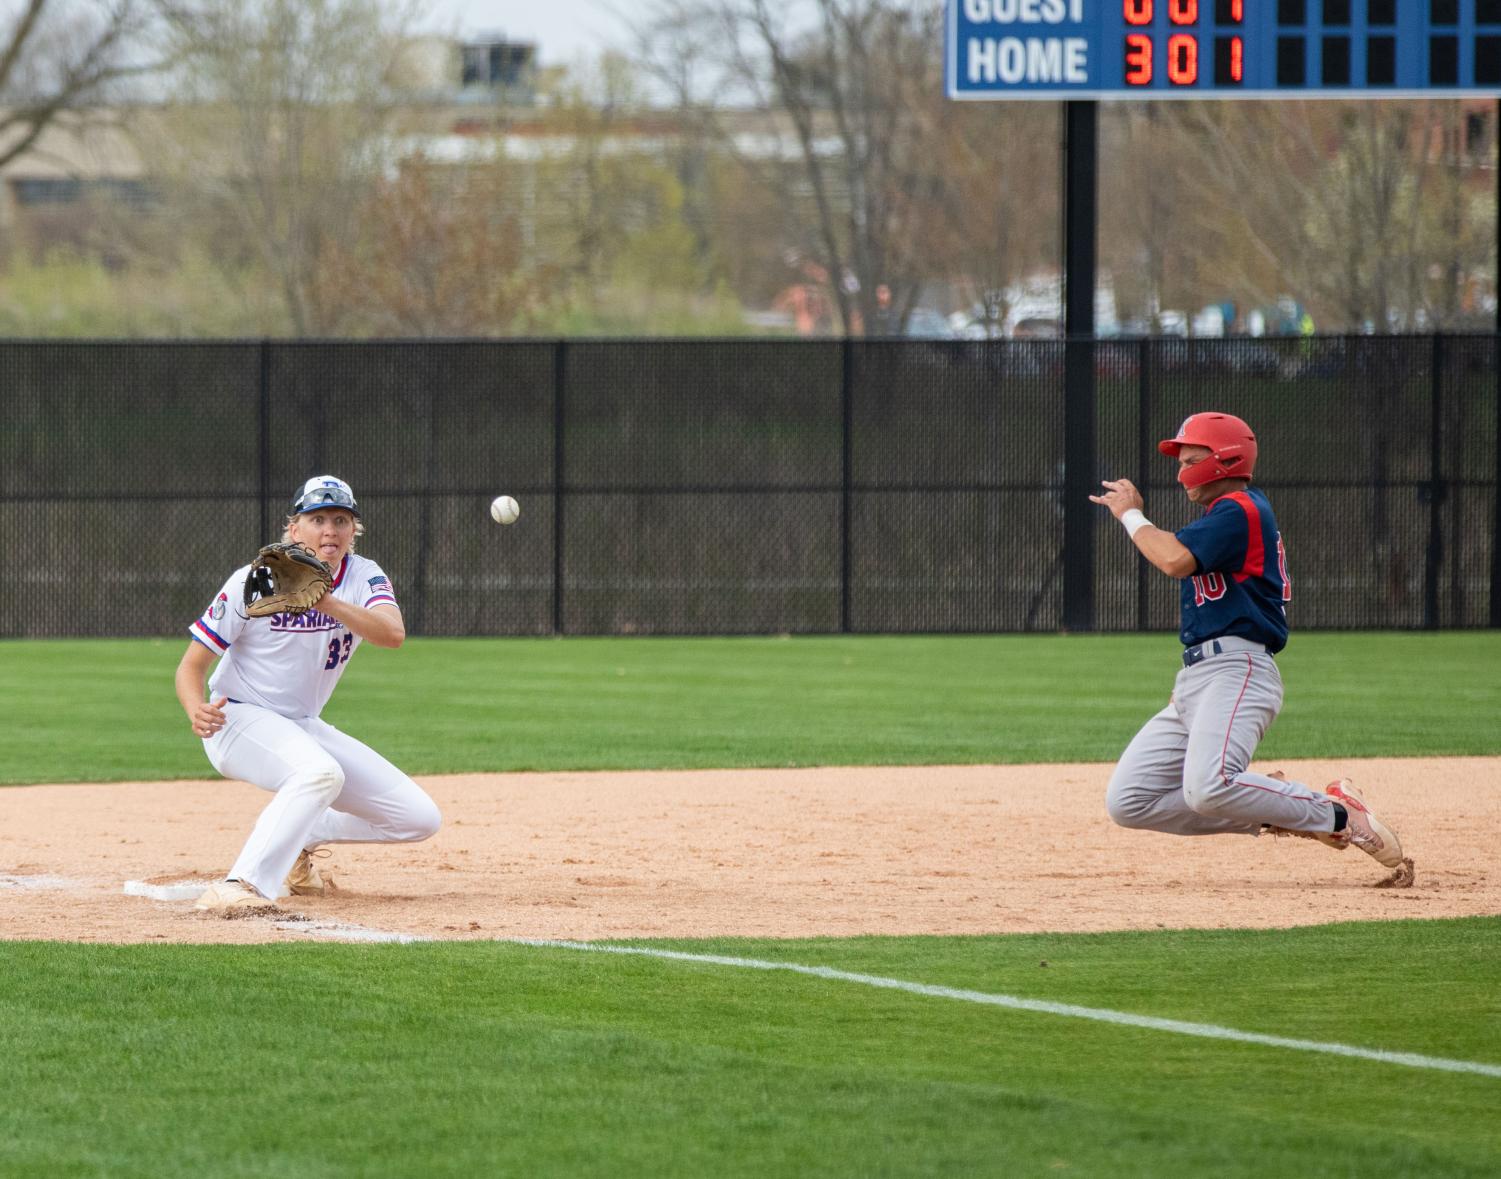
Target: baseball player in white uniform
(260,721)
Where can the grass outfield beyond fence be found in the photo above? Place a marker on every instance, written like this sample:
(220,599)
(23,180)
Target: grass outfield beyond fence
(104,710)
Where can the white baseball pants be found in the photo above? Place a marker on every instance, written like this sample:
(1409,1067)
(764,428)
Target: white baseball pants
(1185,771)
(328,787)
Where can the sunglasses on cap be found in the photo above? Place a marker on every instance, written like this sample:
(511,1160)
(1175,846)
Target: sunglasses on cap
(324,497)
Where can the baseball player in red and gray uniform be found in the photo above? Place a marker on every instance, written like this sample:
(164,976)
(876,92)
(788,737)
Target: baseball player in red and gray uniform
(1185,771)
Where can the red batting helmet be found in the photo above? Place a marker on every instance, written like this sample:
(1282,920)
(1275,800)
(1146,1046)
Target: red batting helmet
(1232,448)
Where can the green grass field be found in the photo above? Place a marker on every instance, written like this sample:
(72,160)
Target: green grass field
(94,710)
(492,1059)
(486,1059)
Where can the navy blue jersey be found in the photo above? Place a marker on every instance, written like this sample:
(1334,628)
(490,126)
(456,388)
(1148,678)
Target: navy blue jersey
(1241,586)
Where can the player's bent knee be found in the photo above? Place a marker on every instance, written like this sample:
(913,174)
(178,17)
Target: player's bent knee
(423,821)
(323,782)
(1126,813)
(430,823)
(1207,796)
(1126,806)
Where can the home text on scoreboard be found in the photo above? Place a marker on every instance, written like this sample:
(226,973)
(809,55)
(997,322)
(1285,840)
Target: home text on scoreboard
(1222,48)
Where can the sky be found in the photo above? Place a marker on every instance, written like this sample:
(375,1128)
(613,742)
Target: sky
(564,30)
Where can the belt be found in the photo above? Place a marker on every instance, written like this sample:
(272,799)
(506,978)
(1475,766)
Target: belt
(1203,651)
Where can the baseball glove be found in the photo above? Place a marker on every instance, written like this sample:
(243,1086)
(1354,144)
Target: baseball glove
(285,579)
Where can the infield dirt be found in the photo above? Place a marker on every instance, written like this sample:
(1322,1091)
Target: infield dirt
(755,853)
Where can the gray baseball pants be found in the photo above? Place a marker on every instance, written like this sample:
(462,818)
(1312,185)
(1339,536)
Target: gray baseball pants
(1185,771)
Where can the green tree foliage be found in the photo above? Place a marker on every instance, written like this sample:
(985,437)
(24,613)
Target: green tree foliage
(610,211)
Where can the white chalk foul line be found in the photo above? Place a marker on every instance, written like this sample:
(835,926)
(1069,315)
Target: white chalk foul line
(343,932)
(1041,1006)
(37,883)
(358,933)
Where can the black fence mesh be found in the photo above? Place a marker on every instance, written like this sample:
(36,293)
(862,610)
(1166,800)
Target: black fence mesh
(694,487)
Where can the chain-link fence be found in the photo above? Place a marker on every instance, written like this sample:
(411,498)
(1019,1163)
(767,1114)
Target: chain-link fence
(695,487)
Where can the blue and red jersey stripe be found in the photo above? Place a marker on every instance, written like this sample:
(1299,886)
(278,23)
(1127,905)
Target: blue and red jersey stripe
(206,635)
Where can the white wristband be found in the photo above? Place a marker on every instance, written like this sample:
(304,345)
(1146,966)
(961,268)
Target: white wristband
(1134,520)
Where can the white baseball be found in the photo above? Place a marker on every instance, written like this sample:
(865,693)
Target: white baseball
(504,510)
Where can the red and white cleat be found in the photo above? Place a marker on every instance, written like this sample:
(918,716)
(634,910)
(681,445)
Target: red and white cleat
(1365,831)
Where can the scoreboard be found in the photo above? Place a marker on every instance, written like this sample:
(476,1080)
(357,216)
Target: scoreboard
(1222,48)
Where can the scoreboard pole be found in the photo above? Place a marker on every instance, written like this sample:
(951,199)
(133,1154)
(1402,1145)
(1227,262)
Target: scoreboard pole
(1496,360)
(1080,221)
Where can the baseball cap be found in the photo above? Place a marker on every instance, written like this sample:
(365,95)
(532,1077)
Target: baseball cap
(324,491)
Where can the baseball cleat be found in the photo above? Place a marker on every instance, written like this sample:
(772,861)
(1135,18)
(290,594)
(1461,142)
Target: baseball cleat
(231,896)
(1327,838)
(1363,829)
(304,880)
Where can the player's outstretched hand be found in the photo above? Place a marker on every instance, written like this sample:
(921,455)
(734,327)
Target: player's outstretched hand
(1120,497)
(208,717)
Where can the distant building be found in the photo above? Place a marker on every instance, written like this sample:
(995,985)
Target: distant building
(491,70)
(81,156)
(89,155)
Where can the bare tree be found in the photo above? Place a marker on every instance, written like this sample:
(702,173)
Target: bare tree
(1457,235)
(866,74)
(1332,198)
(614,222)
(437,253)
(583,178)
(858,89)
(62,56)
(672,39)
(994,217)
(281,130)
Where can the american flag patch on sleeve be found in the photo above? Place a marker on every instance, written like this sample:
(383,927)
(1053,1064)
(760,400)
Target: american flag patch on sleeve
(380,591)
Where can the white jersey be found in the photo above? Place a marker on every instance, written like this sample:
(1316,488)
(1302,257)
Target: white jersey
(287,663)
